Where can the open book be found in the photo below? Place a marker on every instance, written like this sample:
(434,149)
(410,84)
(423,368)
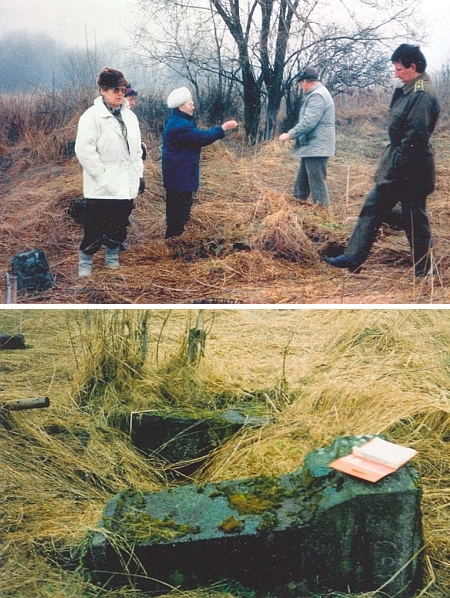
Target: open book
(374,460)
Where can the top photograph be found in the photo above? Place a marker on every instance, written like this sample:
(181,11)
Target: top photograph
(214,152)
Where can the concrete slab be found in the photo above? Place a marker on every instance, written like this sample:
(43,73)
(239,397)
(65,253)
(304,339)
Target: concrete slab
(316,526)
(183,441)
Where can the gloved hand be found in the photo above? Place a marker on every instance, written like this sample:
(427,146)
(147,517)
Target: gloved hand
(141,186)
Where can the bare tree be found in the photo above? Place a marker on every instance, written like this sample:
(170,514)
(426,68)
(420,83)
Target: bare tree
(261,45)
(184,45)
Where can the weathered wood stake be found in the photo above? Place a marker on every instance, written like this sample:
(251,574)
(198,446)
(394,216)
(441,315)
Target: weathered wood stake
(21,404)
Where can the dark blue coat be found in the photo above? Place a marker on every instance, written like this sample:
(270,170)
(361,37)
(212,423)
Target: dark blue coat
(182,143)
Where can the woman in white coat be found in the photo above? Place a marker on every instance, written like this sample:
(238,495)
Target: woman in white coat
(108,147)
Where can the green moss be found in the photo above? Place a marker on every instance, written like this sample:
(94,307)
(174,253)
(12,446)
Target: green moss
(176,578)
(139,526)
(231,525)
(248,504)
(261,496)
(268,522)
(133,523)
(132,498)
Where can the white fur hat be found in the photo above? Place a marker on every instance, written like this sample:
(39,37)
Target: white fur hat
(179,96)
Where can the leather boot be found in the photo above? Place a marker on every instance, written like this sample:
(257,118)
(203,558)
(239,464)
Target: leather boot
(85,264)
(342,261)
(112,257)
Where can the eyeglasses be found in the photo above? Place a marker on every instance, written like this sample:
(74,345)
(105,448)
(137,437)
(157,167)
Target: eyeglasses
(115,89)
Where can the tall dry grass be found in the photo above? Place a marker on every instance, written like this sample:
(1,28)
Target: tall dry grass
(39,127)
(248,240)
(341,372)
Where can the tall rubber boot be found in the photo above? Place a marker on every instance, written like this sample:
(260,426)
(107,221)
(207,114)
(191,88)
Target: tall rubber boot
(85,264)
(112,257)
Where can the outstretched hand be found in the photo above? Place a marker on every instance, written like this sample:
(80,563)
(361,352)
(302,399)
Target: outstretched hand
(229,124)
(284,137)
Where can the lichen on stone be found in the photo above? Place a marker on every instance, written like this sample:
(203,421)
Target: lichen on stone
(231,525)
(131,522)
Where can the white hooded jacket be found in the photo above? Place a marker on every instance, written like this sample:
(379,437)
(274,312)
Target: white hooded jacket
(111,166)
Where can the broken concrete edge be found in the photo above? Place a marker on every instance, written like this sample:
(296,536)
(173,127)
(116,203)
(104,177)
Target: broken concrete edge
(9,342)
(177,439)
(264,510)
(231,415)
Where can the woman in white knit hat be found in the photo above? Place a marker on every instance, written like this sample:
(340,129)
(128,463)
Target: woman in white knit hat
(182,145)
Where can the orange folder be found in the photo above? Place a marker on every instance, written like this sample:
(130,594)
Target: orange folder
(374,460)
(362,468)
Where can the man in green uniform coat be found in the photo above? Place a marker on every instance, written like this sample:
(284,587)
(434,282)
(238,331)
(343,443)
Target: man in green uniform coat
(406,171)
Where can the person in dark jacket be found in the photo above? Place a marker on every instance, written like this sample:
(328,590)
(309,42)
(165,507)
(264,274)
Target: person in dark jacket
(130,96)
(182,143)
(406,172)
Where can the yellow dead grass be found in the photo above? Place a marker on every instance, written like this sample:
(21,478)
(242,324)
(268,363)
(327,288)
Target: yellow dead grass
(322,374)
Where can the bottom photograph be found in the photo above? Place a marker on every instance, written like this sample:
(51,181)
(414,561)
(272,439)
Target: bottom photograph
(239,453)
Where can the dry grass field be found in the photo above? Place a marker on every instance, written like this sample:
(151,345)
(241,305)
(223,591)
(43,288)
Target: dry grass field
(248,241)
(320,373)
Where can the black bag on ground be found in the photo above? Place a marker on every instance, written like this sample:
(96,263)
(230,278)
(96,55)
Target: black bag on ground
(32,271)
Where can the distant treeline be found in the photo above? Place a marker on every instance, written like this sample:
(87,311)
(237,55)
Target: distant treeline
(46,86)
(36,61)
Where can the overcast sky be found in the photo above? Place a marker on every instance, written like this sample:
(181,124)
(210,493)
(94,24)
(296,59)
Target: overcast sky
(73,21)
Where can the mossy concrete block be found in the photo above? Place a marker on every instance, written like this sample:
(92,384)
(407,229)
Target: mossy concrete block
(249,530)
(177,439)
(317,527)
(365,535)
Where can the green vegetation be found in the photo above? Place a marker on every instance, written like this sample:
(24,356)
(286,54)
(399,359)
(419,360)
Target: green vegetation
(132,523)
(231,525)
(261,496)
(138,526)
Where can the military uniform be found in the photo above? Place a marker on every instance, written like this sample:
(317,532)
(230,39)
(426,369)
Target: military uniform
(406,174)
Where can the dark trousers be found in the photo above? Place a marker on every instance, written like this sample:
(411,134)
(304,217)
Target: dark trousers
(106,224)
(376,210)
(311,180)
(178,211)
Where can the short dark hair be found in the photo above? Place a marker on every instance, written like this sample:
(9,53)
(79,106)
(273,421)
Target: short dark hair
(408,54)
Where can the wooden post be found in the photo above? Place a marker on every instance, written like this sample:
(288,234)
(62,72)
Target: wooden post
(21,404)
(11,288)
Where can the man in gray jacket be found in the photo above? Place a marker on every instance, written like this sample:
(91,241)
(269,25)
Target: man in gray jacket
(315,139)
